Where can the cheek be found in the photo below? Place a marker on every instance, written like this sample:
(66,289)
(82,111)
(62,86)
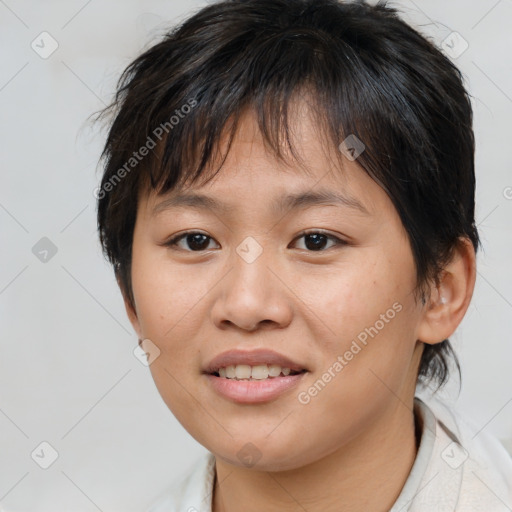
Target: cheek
(352,296)
(365,313)
(168,304)
(166,295)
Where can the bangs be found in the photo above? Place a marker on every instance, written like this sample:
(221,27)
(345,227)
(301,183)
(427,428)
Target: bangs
(186,102)
(272,78)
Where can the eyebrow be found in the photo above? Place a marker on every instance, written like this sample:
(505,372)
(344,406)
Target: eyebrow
(301,200)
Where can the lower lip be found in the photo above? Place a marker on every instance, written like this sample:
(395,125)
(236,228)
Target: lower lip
(254,391)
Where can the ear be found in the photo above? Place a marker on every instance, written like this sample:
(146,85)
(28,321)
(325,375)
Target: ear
(130,309)
(450,297)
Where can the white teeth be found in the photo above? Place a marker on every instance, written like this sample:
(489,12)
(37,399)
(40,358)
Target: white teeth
(242,371)
(274,370)
(258,372)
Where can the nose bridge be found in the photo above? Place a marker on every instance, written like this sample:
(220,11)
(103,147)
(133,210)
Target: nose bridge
(250,278)
(251,293)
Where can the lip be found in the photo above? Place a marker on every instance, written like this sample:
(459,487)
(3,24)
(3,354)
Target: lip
(253,391)
(251,358)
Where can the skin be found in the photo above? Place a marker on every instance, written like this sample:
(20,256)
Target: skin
(352,446)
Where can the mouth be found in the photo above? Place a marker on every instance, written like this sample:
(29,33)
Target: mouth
(253,376)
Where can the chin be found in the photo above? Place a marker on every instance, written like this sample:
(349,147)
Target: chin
(260,453)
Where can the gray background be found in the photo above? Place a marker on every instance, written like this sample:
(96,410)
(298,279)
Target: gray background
(68,375)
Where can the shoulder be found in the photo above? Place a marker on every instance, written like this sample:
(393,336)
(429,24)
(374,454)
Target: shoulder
(192,492)
(469,469)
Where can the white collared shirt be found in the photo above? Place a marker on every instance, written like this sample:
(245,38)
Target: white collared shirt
(457,469)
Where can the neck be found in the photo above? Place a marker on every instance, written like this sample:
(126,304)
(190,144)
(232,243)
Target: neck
(379,459)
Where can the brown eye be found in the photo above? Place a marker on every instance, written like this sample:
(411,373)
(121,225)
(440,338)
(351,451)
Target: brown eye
(194,240)
(316,241)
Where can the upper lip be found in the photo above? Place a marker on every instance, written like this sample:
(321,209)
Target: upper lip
(251,358)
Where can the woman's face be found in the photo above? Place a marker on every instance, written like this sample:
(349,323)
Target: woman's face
(338,302)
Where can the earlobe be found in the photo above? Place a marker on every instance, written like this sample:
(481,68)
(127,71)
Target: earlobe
(450,296)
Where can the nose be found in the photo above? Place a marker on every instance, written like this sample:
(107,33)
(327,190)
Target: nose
(252,296)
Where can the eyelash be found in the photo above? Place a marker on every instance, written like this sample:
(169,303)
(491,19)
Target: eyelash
(173,242)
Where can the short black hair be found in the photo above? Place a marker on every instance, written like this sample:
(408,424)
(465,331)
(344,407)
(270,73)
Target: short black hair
(368,73)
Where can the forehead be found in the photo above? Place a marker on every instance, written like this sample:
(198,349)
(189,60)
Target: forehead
(320,175)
